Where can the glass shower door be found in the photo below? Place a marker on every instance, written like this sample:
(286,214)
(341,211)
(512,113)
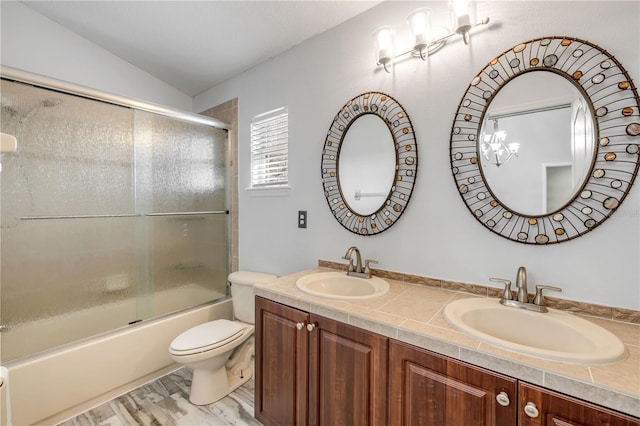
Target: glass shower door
(181,199)
(67,219)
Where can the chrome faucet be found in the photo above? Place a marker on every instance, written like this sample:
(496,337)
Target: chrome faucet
(521,285)
(522,298)
(348,255)
(358,270)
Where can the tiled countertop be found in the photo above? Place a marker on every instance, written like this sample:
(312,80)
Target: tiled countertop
(412,313)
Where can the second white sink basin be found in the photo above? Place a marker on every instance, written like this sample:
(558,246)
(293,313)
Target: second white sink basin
(339,285)
(554,335)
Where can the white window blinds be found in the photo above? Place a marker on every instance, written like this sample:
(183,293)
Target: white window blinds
(270,148)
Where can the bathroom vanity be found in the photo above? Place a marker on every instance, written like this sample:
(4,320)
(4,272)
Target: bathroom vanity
(322,361)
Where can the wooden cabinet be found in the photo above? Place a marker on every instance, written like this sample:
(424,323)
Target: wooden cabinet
(430,389)
(317,371)
(312,370)
(281,364)
(541,407)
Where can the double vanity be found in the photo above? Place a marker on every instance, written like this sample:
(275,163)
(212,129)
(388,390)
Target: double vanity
(337,349)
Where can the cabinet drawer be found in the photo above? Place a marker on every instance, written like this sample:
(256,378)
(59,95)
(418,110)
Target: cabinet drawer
(542,407)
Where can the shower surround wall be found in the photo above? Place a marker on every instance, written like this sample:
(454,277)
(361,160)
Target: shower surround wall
(106,211)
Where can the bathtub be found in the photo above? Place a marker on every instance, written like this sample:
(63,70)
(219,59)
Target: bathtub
(52,386)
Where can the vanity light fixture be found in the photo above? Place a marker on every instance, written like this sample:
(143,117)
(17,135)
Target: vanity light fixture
(425,40)
(383,38)
(495,148)
(461,17)
(420,22)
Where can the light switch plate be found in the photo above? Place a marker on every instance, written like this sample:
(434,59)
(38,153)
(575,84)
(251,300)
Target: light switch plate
(302,218)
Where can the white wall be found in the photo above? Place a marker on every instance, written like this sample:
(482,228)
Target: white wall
(30,42)
(436,236)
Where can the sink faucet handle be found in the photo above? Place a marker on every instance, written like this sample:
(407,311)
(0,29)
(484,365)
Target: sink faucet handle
(350,268)
(506,293)
(539,299)
(367,269)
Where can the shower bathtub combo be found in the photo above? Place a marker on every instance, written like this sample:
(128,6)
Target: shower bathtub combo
(113,240)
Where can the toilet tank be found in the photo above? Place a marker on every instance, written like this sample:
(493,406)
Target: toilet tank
(242,293)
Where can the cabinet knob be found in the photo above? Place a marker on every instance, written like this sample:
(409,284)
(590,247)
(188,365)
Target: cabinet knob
(503,399)
(310,327)
(531,410)
(300,325)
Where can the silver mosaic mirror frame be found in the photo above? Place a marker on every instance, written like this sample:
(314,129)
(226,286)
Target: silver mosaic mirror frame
(615,109)
(406,163)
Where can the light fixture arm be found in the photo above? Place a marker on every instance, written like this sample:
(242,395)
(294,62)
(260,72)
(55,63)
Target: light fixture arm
(484,21)
(465,37)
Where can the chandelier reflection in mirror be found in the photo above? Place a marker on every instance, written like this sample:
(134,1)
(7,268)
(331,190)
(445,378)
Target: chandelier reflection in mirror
(425,39)
(494,146)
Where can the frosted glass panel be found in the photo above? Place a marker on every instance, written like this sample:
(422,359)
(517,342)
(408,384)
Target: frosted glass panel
(82,248)
(181,166)
(64,280)
(74,159)
(189,258)
(75,156)
(181,170)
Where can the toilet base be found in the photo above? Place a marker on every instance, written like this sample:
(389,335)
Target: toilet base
(209,386)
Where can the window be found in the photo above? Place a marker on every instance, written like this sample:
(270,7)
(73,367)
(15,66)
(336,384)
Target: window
(270,149)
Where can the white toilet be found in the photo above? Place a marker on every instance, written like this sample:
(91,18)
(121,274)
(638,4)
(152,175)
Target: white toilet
(221,352)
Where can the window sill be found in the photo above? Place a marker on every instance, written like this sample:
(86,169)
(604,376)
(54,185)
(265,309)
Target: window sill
(269,191)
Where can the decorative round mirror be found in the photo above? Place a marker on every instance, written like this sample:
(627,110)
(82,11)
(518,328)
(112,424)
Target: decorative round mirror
(545,142)
(369,163)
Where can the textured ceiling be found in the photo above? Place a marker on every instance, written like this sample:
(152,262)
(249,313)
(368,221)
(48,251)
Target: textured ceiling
(194,45)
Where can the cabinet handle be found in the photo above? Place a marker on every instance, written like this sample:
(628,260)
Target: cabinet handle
(300,325)
(503,399)
(310,327)
(531,410)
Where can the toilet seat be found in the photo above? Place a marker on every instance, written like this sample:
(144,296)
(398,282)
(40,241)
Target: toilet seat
(205,337)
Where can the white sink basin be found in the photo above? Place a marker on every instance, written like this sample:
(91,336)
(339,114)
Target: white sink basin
(339,285)
(554,335)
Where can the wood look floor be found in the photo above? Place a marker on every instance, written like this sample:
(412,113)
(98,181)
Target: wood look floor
(165,401)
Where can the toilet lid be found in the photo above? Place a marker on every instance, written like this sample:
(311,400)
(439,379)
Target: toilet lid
(207,336)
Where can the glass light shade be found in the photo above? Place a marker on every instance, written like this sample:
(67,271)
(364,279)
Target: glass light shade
(420,22)
(461,13)
(383,39)
(500,136)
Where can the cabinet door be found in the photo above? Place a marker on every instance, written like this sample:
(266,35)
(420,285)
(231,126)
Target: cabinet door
(429,389)
(347,375)
(281,379)
(554,409)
